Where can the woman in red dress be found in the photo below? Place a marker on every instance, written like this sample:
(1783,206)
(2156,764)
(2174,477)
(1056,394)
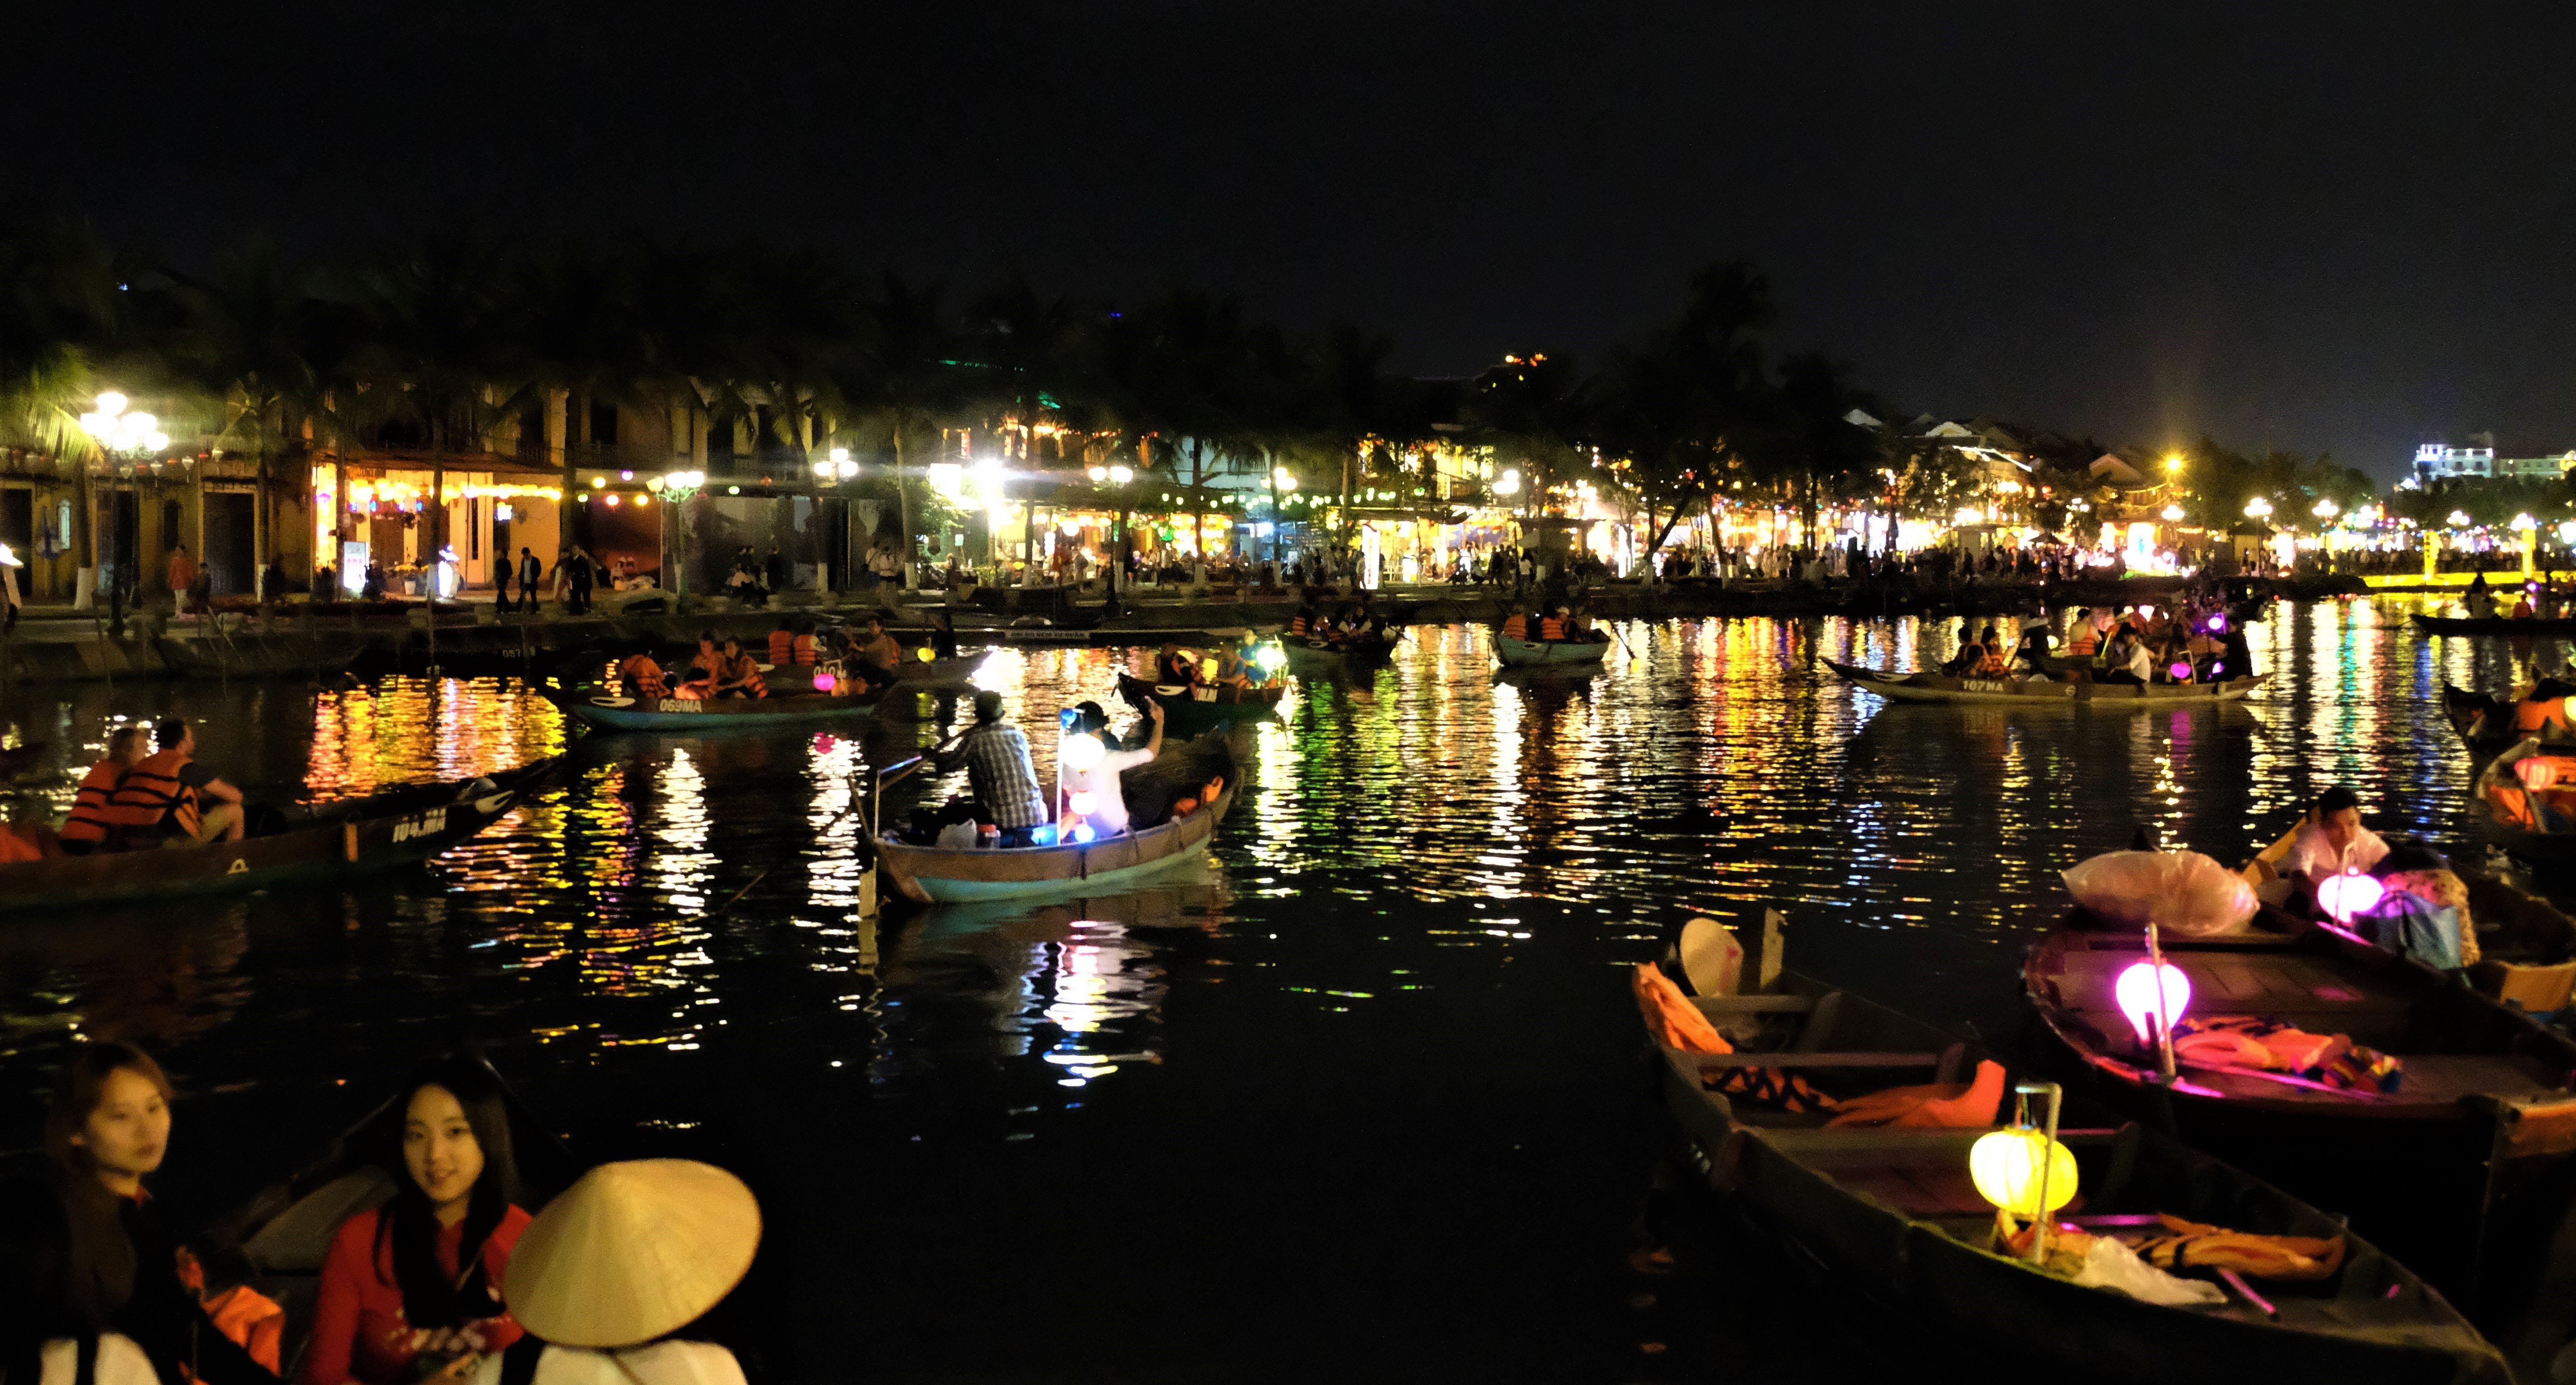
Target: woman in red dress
(411,1291)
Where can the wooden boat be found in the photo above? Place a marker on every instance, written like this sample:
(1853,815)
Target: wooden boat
(1548,653)
(2484,724)
(598,708)
(1941,687)
(944,875)
(1187,714)
(2493,625)
(1893,1215)
(1314,653)
(277,1240)
(2430,1170)
(213,653)
(2538,825)
(347,838)
(955,671)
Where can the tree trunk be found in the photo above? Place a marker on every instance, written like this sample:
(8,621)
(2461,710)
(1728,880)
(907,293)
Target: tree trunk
(84,539)
(902,507)
(260,522)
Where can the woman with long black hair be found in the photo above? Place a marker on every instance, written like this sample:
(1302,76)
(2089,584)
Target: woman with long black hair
(411,1290)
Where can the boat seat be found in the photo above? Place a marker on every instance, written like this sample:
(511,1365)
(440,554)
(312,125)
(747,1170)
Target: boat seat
(296,1240)
(1820,1023)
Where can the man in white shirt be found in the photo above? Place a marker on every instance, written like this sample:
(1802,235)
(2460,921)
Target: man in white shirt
(2331,841)
(1108,802)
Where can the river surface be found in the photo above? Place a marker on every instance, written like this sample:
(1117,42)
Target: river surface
(1357,1099)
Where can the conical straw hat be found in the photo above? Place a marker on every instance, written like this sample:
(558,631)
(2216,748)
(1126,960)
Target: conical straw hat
(632,1252)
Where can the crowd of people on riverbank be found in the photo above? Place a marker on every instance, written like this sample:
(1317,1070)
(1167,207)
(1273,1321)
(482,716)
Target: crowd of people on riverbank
(453,1281)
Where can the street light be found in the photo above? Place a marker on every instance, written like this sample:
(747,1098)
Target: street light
(2173,513)
(2325,509)
(836,465)
(2258,508)
(2525,523)
(2459,519)
(2173,462)
(120,433)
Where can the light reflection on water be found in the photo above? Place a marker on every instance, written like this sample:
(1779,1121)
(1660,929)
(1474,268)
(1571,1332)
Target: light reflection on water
(668,932)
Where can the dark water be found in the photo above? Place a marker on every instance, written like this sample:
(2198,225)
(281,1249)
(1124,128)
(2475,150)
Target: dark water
(1359,1098)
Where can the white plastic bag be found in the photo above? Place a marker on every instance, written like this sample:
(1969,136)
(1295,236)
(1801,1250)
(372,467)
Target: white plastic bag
(2111,1265)
(2182,893)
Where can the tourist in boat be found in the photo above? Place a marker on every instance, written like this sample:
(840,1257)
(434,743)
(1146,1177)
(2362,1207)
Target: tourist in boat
(642,678)
(627,1256)
(738,674)
(1004,779)
(411,1291)
(2479,600)
(168,798)
(2129,661)
(1552,626)
(2542,712)
(700,678)
(107,1128)
(2522,605)
(1305,621)
(1516,626)
(1231,670)
(1108,815)
(1174,668)
(1971,659)
(879,652)
(943,635)
(2331,840)
(47,1323)
(91,827)
(2082,640)
(782,645)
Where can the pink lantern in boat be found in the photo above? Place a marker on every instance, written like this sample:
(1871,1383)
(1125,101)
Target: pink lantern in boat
(2136,993)
(823,681)
(2218,624)
(2348,894)
(2181,671)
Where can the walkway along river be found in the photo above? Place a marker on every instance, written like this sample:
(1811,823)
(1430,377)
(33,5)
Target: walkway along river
(1358,1098)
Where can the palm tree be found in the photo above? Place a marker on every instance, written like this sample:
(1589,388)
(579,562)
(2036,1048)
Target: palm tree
(445,342)
(58,290)
(250,337)
(903,373)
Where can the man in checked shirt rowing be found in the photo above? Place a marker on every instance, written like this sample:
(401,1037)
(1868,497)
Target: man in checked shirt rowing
(998,768)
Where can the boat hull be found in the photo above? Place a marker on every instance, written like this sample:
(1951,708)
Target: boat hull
(715,714)
(937,875)
(1936,687)
(2497,786)
(1548,653)
(2493,625)
(423,827)
(1186,715)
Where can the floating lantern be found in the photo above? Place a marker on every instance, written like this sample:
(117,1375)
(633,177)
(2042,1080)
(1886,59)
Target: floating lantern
(823,681)
(1083,832)
(2348,894)
(1083,752)
(2536,773)
(1270,657)
(925,653)
(2136,993)
(2015,1169)
(1084,802)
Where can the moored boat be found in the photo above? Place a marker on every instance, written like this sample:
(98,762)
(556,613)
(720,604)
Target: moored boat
(1185,713)
(2525,802)
(2493,625)
(349,838)
(287,653)
(1896,1215)
(1546,653)
(608,712)
(2035,692)
(2428,1160)
(2484,724)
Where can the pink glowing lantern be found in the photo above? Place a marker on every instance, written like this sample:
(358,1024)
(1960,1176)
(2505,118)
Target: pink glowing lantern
(2536,773)
(2136,992)
(2348,894)
(2218,625)
(2181,671)
(823,681)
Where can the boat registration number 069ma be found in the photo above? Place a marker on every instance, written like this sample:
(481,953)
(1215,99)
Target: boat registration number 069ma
(681,704)
(421,825)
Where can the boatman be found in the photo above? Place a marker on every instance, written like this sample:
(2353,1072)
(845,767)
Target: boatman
(880,653)
(998,768)
(169,799)
(2544,712)
(2331,841)
(1173,668)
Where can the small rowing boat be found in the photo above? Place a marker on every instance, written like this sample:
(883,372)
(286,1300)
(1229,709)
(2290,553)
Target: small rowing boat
(1314,653)
(2525,802)
(2037,692)
(2479,1106)
(1549,653)
(2493,625)
(1185,713)
(347,838)
(943,875)
(1895,1214)
(2484,724)
(608,712)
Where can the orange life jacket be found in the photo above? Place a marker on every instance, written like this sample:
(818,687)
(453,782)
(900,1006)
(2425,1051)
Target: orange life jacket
(2529,717)
(1551,628)
(1297,626)
(20,844)
(782,648)
(802,649)
(744,672)
(2085,642)
(151,797)
(1517,627)
(643,677)
(89,821)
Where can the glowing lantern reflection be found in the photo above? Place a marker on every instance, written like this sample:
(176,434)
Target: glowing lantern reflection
(2015,1169)
(2348,894)
(2136,993)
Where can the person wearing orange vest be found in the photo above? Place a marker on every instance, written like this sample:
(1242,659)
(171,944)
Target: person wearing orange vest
(1552,627)
(2544,712)
(782,646)
(171,797)
(2083,641)
(738,675)
(88,829)
(1516,626)
(643,677)
(703,669)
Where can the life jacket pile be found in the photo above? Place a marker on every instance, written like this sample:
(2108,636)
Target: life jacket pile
(643,677)
(152,799)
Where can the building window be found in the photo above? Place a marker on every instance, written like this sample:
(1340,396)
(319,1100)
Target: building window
(603,424)
(169,525)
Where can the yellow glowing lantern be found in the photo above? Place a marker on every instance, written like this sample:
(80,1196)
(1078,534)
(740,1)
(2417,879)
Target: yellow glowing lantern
(2009,1166)
(926,654)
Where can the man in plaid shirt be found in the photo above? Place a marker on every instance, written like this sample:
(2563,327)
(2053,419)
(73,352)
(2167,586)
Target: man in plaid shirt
(1005,780)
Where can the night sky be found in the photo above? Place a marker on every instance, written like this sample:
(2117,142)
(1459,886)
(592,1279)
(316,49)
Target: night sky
(2317,226)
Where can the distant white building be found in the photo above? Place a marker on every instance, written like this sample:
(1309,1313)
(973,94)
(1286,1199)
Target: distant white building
(2439,461)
